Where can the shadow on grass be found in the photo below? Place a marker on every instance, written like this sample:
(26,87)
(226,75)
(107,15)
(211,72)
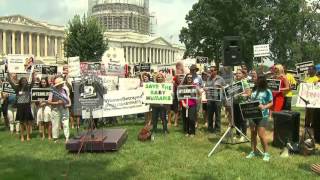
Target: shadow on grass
(22,167)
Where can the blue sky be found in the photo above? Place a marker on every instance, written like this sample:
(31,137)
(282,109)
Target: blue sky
(170,14)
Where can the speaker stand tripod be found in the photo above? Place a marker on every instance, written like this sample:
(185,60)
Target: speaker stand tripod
(230,131)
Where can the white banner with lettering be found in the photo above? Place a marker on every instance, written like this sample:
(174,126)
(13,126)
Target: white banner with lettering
(119,103)
(311,93)
(74,67)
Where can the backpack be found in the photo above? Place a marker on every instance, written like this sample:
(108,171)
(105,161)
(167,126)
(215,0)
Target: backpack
(307,142)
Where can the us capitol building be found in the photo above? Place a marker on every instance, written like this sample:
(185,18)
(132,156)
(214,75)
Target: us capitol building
(128,30)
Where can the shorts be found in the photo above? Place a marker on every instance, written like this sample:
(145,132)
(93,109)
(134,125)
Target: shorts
(175,105)
(259,122)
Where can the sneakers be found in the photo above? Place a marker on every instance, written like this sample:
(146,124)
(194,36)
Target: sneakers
(251,155)
(266,157)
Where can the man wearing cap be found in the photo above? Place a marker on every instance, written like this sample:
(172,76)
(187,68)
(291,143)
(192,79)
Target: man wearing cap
(59,101)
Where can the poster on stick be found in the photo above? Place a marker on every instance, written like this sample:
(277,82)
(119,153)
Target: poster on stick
(309,92)
(158,93)
(187,92)
(40,94)
(214,94)
(129,83)
(274,84)
(115,69)
(251,110)
(233,90)
(303,67)
(16,63)
(7,88)
(74,67)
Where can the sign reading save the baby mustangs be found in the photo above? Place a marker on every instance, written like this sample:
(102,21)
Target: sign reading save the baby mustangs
(158,93)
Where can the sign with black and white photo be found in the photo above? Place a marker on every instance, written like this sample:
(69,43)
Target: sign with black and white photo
(142,67)
(274,84)
(251,110)
(74,67)
(304,67)
(49,69)
(40,94)
(233,90)
(202,60)
(214,94)
(187,92)
(16,63)
(7,88)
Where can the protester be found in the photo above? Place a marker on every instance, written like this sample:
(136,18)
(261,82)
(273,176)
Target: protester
(12,112)
(257,126)
(174,108)
(204,100)
(60,102)
(145,78)
(289,94)
(239,122)
(44,113)
(197,80)
(214,107)
(189,109)
(159,110)
(24,114)
(278,96)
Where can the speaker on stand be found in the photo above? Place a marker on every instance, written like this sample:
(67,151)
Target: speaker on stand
(232,51)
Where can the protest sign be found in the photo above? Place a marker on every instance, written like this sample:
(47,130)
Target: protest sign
(16,63)
(7,88)
(158,93)
(234,89)
(251,110)
(274,84)
(129,83)
(40,94)
(110,83)
(187,92)
(74,67)
(214,94)
(303,67)
(92,68)
(115,69)
(202,60)
(262,50)
(49,69)
(142,67)
(311,93)
(119,103)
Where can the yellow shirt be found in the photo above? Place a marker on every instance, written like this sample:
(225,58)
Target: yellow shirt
(313,79)
(291,81)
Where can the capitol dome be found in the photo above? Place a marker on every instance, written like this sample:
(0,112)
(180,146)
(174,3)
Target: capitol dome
(122,15)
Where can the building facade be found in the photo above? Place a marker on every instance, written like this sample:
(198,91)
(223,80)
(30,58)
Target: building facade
(128,30)
(22,35)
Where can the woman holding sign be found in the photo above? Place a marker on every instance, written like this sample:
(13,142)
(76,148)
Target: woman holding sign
(278,96)
(257,126)
(23,103)
(44,112)
(189,109)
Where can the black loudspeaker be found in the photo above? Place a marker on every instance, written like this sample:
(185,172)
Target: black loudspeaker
(286,127)
(231,51)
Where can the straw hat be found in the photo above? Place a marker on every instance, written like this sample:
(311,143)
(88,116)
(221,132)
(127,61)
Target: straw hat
(58,82)
(194,67)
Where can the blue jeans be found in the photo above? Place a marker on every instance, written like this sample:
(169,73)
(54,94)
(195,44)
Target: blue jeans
(214,108)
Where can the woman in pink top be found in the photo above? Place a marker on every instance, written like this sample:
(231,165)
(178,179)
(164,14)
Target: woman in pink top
(190,105)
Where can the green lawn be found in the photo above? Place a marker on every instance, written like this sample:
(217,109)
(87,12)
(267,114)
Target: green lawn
(173,156)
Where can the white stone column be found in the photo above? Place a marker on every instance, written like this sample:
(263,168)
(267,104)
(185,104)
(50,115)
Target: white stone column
(45,45)
(55,46)
(149,55)
(13,42)
(30,43)
(62,48)
(143,59)
(4,42)
(139,54)
(22,43)
(133,55)
(38,45)
(127,54)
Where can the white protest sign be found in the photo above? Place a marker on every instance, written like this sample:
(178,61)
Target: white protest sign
(74,66)
(16,63)
(158,93)
(110,83)
(129,83)
(115,69)
(311,93)
(262,50)
(119,103)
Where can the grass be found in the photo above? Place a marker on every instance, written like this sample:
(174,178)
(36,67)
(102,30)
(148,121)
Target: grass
(172,156)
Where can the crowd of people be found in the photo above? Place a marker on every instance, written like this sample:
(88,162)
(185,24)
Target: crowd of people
(20,112)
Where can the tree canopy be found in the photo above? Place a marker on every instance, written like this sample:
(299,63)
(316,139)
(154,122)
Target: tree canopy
(291,27)
(85,39)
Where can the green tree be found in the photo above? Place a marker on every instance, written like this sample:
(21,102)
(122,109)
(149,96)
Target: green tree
(85,39)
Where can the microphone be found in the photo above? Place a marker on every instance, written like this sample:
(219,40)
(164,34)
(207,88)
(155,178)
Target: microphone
(304,100)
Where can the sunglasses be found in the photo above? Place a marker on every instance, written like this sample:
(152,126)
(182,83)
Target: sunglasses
(189,77)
